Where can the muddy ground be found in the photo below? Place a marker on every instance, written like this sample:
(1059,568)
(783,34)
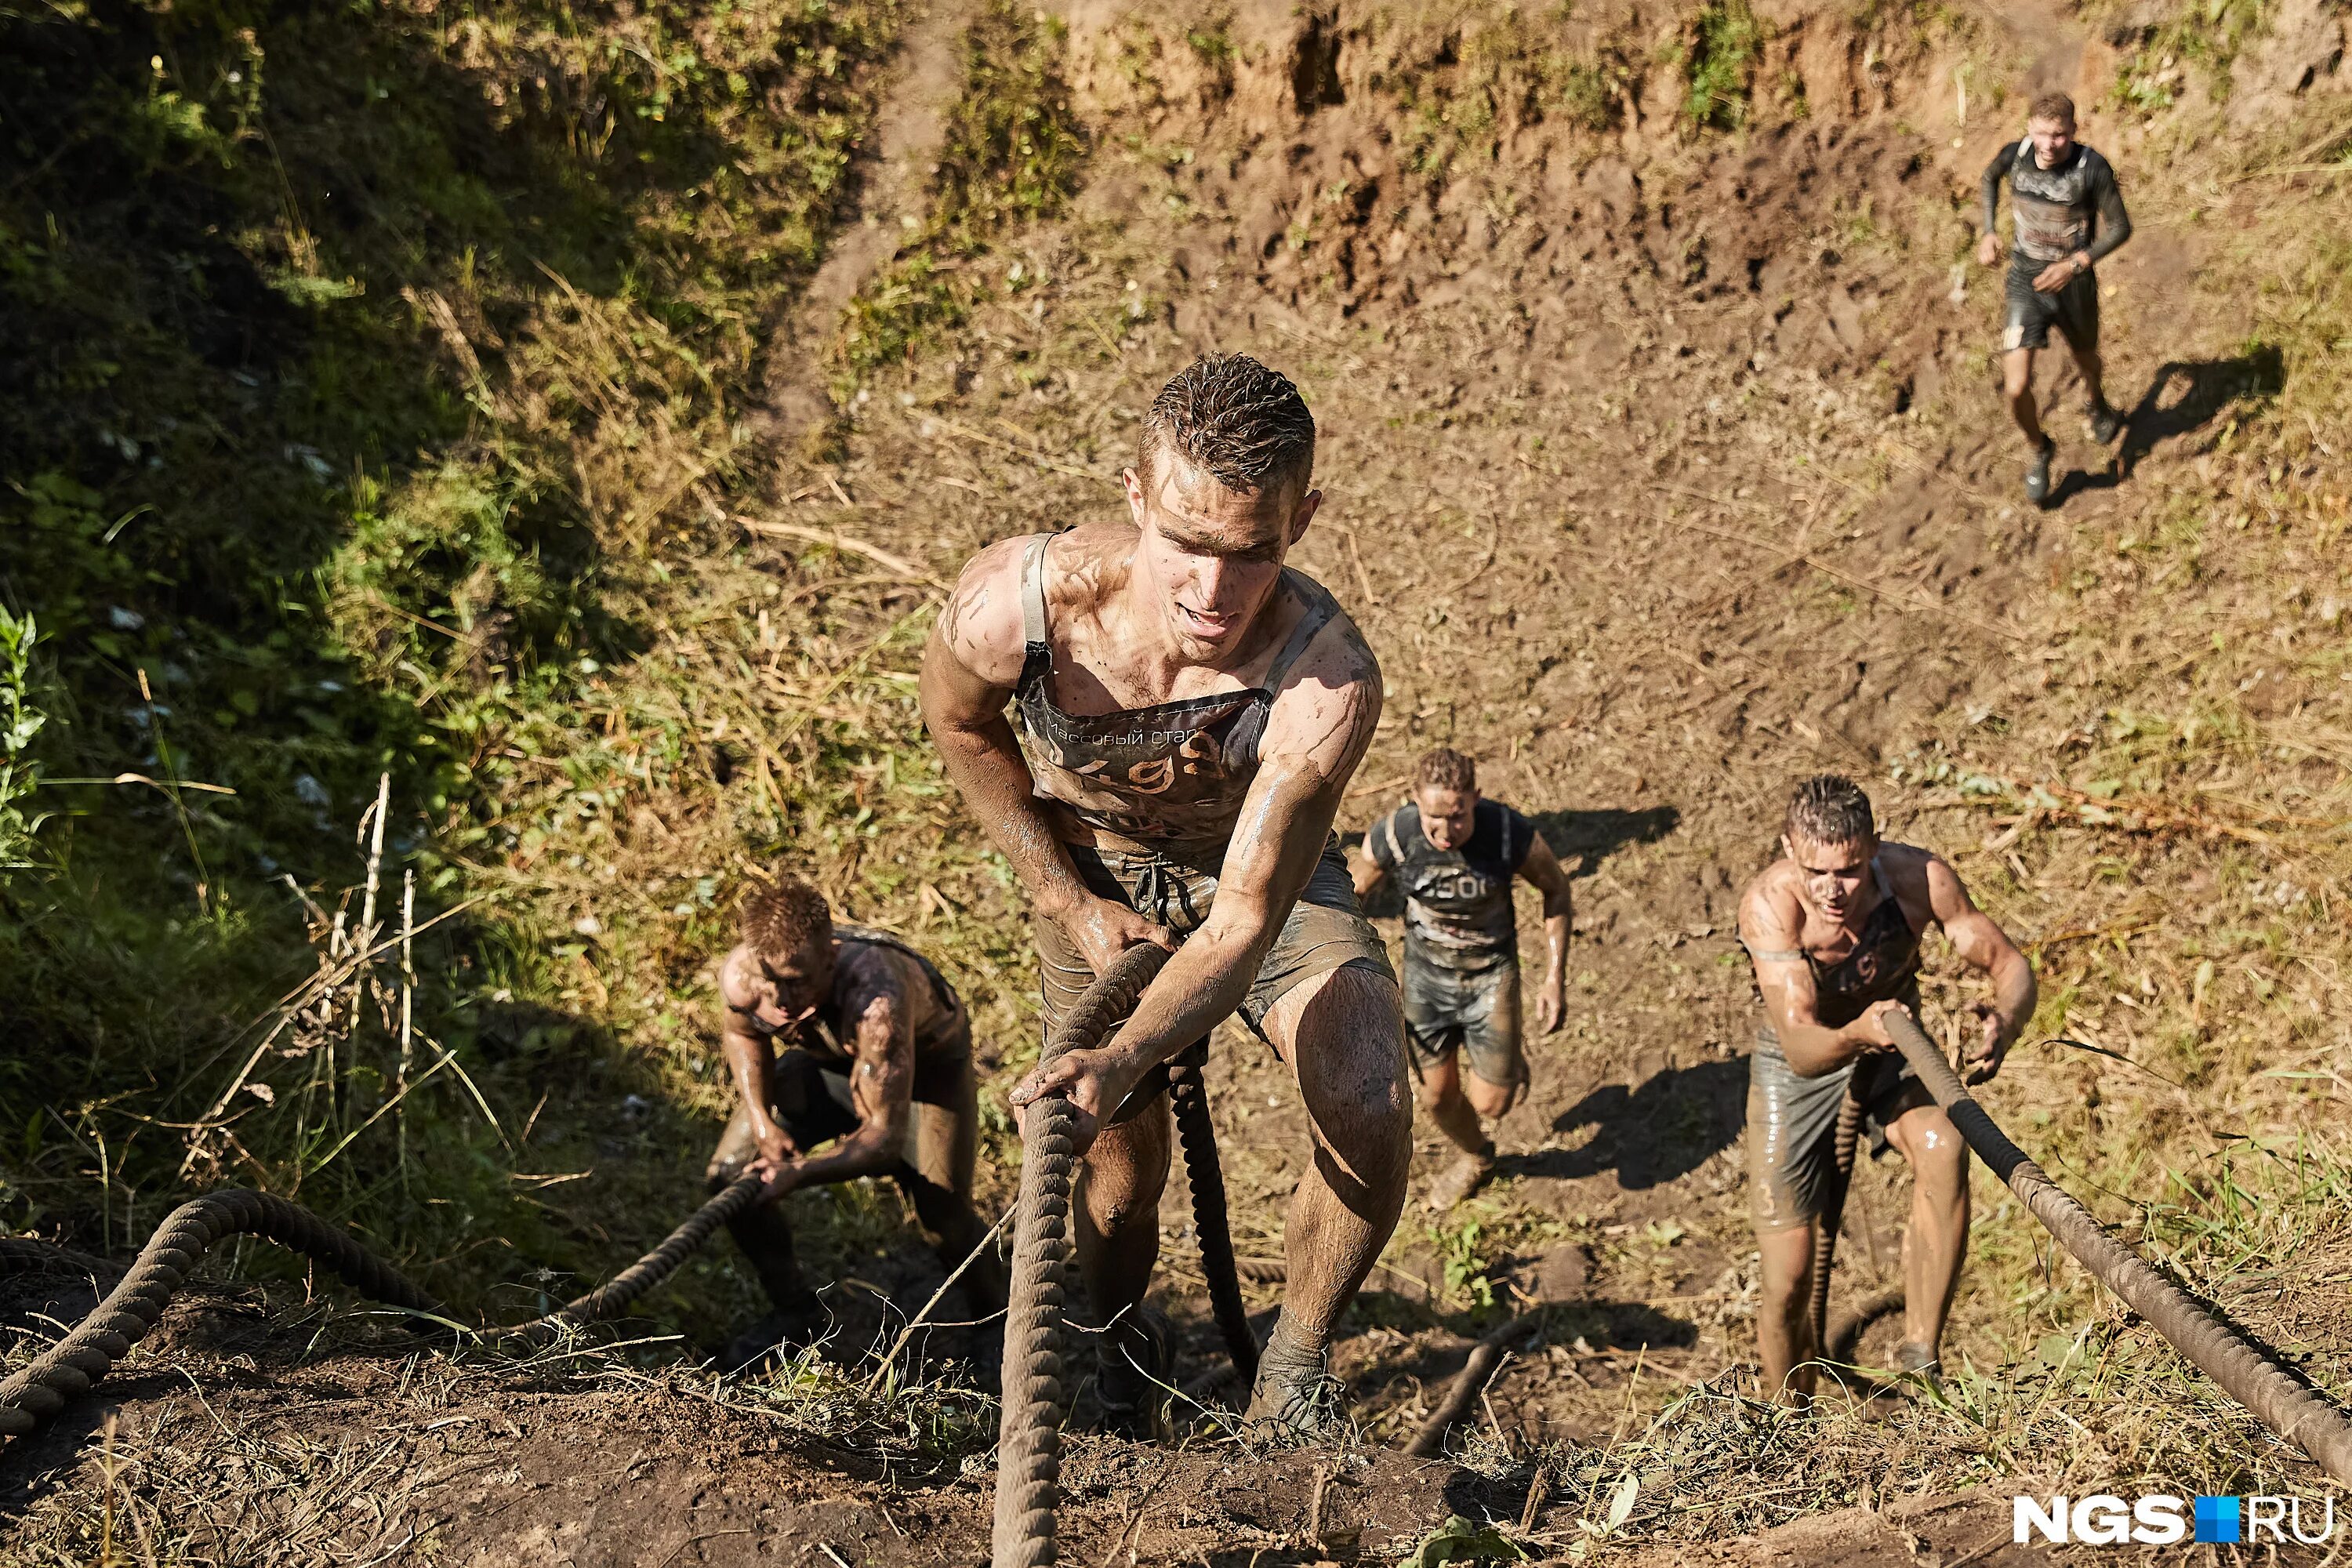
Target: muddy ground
(1679,476)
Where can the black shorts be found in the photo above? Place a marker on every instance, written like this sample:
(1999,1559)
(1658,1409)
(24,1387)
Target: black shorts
(2073,310)
(1477,1013)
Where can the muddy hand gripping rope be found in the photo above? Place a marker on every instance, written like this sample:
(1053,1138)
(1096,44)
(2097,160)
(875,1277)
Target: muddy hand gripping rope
(68,1368)
(2280,1401)
(1036,1390)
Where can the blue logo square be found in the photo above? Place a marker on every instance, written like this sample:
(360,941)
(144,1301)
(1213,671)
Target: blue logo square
(2217,1520)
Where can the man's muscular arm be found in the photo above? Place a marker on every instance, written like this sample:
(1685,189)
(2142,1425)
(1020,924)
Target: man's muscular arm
(970,669)
(1322,722)
(1771,924)
(1542,868)
(1982,944)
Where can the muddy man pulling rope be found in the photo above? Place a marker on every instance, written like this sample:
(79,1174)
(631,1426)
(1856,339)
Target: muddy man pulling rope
(1192,712)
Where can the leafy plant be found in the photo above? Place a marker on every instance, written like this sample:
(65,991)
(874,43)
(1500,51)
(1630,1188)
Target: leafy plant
(1727,40)
(19,723)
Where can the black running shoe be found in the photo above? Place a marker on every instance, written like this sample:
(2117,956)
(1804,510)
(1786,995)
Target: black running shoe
(1130,1375)
(2037,478)
(2106,423)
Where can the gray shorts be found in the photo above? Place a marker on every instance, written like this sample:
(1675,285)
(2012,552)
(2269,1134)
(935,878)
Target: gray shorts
(1792,1123)
(1475,1012)
(1324,931)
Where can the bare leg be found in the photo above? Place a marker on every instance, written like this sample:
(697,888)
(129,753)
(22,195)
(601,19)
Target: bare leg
(938,1181)
(2087,365)
(1343,1036)
(1117,1211)
(1938,1232)
(1785,1340)
(1441,1097)
(2017,383)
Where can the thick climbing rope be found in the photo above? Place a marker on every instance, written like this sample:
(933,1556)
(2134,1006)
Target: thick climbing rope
(130,1310)
(2279,1400)
(1188,1095)
(1036,1384)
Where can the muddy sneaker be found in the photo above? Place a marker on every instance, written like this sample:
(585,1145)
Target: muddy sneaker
(1131,1363)
(1462,1178)
(1296,1399)
(1919,1362)
(2037,478)
(2106,423)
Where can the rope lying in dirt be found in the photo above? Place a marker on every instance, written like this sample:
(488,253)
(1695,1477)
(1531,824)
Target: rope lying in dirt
(1035,1388)
(2279,1400)
(1832,1214)
(68,1369)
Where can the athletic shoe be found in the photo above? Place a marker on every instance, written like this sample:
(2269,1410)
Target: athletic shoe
(1462,1178)
(2106,423)
(2037,478)
(1128,1377)
(1919,1362)
(1296,1399)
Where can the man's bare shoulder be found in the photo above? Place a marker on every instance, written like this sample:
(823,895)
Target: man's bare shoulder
(1908,869)
(1770,900)
(1329,701)
(734,980)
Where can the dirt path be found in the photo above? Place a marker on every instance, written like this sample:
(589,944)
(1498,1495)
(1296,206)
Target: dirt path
(895,180)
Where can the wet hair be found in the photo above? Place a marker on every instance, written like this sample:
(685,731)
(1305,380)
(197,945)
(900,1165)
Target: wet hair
(784,920)
(1228,416)
(1446,768)
(2053,106)
(1829,808)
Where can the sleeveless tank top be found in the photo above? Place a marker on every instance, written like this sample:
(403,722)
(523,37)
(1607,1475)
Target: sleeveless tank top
(943,1028)
(1884,965)
(1170,777)
(1457,902)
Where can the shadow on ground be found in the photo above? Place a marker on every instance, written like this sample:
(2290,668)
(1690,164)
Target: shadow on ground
(1649,1135)
(2206,388)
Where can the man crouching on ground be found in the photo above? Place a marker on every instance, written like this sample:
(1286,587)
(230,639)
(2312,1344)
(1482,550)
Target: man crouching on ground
(1194,711)
(878,1059)
(1454,854)
(1833,927)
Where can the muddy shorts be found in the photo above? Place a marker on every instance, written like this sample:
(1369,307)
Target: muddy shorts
(2073,310)
(810,1098)
(1792,1123)
(1325,930)
(1475,1012)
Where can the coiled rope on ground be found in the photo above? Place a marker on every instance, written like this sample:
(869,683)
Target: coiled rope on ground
(130,1310)
(2279,1400)
(1036,1381)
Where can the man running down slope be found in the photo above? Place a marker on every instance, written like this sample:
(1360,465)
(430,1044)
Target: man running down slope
(1191,711)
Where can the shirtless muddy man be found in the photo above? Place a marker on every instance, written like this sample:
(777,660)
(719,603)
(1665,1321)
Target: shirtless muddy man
(1833,927)
(1190,711)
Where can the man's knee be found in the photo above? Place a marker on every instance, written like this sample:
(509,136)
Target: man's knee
(1930,1145)
(1491,1097)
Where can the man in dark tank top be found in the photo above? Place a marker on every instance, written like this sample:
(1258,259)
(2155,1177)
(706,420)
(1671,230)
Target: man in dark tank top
(1833,930)
(1191,710)
(841,1036)
(1454,854)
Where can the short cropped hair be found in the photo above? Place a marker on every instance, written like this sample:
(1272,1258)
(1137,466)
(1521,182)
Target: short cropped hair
(2053,106)
(1830,808)
(789,917)
(1228,416)
(1446,768)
